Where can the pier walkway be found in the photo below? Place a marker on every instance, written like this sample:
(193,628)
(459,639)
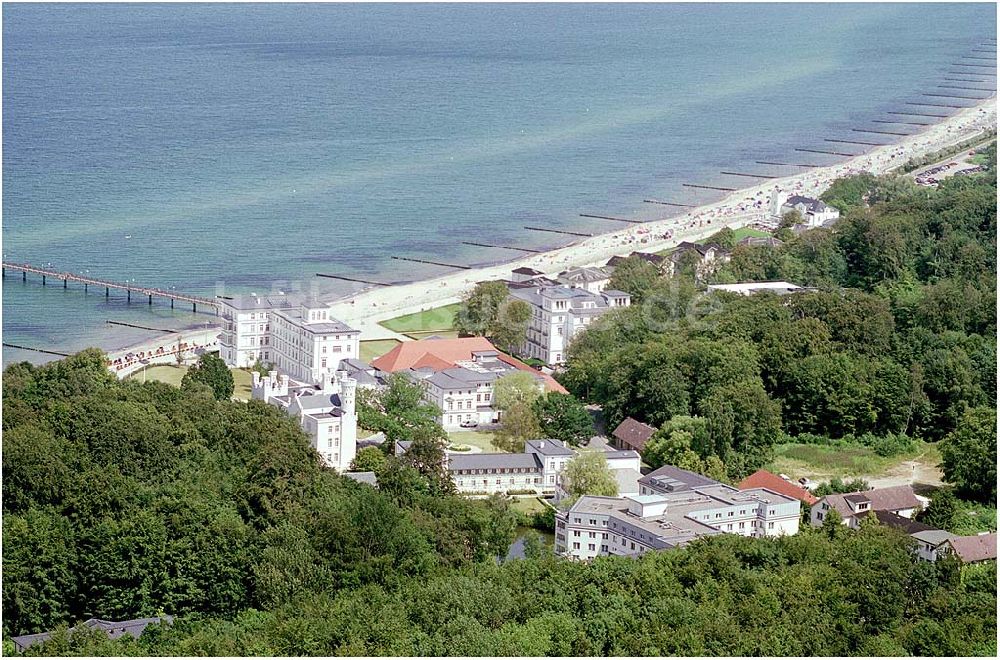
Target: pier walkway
(128,288)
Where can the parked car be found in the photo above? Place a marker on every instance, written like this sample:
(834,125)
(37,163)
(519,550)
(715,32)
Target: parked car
(469,424)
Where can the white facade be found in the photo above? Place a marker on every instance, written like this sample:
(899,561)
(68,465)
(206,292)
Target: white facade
(633,525)
(326,413)
(298,339)
(558,313)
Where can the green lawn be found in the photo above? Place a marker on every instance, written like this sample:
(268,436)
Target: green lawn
(481,439)
(741,233)
(376,348)
(974,518)
(172,374)
(447,334)
(821,462)
(165,373)
(438,318)
(528,505)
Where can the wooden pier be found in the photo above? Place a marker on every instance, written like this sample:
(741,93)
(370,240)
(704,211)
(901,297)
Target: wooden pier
(558,231)
(351,279)
(433,263)
(503,247)
(608,217)
(129,289)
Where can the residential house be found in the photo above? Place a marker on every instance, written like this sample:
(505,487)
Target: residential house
(777,484)
(637,524)
(113,629)
(974,549)
(814,212)
(657,260)
(632,434)
(900,500)
(458,376)
(558,313)
(707,258)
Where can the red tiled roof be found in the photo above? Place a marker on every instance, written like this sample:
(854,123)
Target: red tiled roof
(975,548)
(633,433)
(441,354)
(770,481)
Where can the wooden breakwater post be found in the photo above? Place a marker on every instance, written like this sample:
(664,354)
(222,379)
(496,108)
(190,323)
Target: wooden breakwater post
(351,279)
(433,263)
(908,123)
(772,162)
(824,151)
(608,217)
(957,96)
(868,130)
(698,185)
(503,247)
(861,142)
(657,201)
(918,114)
(752,176)
(559,231)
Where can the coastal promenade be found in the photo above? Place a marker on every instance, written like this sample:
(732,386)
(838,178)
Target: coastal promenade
(739,208)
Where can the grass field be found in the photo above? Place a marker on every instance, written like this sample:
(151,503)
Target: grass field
(821,462)
(448,334)
(430,320)
(481,439)
(172,375)
(528,505)
(165,373)
(376,348)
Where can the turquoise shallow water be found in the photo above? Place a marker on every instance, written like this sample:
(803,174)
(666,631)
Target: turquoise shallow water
(249,147)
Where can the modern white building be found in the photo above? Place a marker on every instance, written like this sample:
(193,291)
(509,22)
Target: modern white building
(558,313)
(637,524)
(538,468)
(750,288)
(326,412)
(292,334)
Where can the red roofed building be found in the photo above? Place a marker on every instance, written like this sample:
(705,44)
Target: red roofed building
(772,482)
(458,376)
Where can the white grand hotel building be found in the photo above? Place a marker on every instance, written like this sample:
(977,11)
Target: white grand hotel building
(309,355)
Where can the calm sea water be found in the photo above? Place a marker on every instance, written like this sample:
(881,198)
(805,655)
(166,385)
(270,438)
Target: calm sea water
(253,146)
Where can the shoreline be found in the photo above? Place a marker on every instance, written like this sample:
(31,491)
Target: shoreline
(364,310)
(745,206)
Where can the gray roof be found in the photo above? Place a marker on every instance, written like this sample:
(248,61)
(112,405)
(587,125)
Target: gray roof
(319,402)
(812,205)
(548,447)
(670,479)
(934,536)
(114,630)
(317,327)
(482,461)
(584,275)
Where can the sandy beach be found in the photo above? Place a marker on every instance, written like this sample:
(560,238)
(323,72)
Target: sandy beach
(743,207)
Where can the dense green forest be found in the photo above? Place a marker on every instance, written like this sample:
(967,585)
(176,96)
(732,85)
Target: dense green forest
(124,499)
(897,342)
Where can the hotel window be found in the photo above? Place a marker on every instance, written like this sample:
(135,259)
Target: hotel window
(604,536)
(743,525)
(576,546)
(729,526)
(593,535)
(322,363)
(770,525)
(593,521)
(590,546)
